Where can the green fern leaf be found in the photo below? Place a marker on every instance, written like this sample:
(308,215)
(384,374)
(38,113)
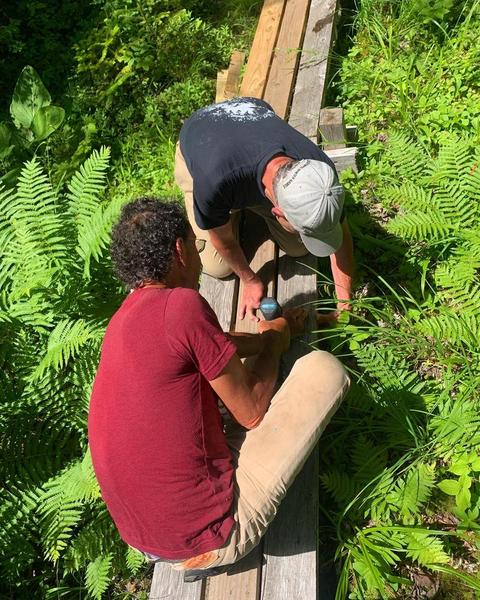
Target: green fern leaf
(426,549)
(98,576)
(65,342)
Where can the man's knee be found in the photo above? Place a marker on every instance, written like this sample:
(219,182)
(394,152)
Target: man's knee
(323,369)
(216,269)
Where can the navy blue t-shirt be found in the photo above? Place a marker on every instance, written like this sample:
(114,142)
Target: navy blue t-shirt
(227,146)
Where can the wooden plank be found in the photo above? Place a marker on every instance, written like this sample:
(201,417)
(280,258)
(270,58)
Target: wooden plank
(331,126)
(221,81)
(290,545)
(344,158)
(221,295)
(232,84)
(260,57)
(279,87)
(310,86)
(240,582)
(168,584)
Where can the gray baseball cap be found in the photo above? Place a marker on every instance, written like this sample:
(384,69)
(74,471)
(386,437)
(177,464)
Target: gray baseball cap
(312,199)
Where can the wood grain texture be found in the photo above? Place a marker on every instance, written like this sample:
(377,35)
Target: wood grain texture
(331,126)
(240,582)
(260,251)
(279,87)
(221,82)
(310,86)
(168,584)
(260,57)
(232,85)
(290,546)
(344,158)
(221,295)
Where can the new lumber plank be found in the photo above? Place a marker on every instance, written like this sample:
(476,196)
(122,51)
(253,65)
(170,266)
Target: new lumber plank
(168,584)
(260,57)
(279,87)
(310,86)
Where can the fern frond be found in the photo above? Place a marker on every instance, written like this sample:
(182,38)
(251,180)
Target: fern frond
(65,342)
(86,187)
(94,238)
(413,491)
(134,559)
(385,366)
(426,549)
(34,208)
(342,487)
(451,328)
(62,504)
(98,576)
(409,158)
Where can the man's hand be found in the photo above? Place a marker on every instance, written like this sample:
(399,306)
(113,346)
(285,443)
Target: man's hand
(327,319)
(250,301)
(278,332)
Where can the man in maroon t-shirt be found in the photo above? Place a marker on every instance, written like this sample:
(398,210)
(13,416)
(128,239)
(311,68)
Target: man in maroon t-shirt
(179,484)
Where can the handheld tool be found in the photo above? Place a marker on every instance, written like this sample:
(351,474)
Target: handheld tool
(270,308)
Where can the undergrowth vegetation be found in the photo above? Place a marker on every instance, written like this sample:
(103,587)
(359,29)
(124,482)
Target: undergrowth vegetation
(401,460)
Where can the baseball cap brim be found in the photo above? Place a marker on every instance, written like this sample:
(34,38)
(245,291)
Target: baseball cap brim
(329,244)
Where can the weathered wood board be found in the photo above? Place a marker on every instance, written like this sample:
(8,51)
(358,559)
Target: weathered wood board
(332,129)
(168,584)
(310,86)
(241,582)
(232,84)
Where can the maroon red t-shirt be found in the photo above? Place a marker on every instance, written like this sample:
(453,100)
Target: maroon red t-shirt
(155,432)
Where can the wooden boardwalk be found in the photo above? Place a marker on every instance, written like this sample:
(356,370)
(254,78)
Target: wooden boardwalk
(287,67)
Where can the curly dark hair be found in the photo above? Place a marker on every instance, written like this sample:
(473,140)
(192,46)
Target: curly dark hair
(143,240)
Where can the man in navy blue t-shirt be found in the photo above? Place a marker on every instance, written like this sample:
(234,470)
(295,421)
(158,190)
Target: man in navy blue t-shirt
(240,154)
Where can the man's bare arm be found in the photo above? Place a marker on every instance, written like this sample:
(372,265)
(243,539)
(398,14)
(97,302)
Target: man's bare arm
(228,247)
(247,392)
(342,263)
(247,344)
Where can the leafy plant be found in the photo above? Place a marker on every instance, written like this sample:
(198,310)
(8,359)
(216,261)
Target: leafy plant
(57,295)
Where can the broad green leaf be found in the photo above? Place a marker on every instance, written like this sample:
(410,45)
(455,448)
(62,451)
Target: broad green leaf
(463,498)
(28,97)
(449,486)
(46,120)
(5,138)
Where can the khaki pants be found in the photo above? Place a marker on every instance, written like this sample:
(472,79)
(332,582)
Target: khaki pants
(212,262)
(267,459)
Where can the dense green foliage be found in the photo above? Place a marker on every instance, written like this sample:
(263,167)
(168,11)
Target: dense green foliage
(400,468)
(401,457)
(126,73)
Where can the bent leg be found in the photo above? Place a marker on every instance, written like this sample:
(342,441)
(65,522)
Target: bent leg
(269,457)
(213,263)
(290,243)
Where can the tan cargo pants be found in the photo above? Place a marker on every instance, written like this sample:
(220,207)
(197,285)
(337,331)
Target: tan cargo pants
(212,262)
(267,459)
